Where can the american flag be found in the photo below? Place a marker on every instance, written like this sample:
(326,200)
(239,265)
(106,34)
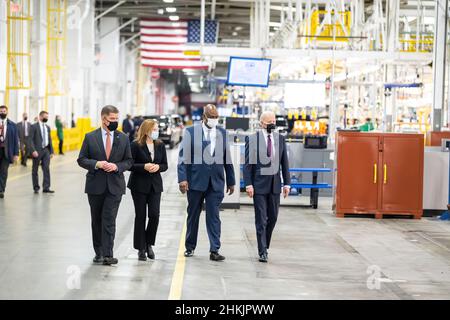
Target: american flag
(169,44)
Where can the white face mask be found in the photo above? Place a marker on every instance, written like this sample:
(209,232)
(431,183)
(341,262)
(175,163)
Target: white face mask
(212,123)
(154,135)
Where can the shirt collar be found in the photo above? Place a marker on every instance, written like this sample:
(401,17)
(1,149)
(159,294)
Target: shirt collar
(206,128)
(266,134)
(104,132)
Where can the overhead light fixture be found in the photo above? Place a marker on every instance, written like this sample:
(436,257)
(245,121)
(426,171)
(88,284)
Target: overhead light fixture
(168,1)
(234,33)
(174,18)
(238,28)
(160,11)
(171,9)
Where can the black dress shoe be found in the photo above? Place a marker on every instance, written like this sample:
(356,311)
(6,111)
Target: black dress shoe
(48,191)
(263,257)
(2,195)
(189,253)
(150,253)
(97,259)
(107,261)
(36,191)
(215,256)
(141,255)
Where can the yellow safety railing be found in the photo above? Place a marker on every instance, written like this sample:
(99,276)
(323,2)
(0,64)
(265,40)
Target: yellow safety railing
(73,137)
(411,44)
(18,66)
(56,81)
(340,30)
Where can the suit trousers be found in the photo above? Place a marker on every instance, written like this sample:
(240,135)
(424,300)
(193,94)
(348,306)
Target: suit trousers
(104,208)
(212,200)
(44,160)
(23,152)
(4,165)
(145,204)
(266,214)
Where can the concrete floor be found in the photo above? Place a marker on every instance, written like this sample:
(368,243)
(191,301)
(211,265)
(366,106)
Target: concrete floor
(46,252)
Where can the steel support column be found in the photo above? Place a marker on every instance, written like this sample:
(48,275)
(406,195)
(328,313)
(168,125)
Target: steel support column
(439,65)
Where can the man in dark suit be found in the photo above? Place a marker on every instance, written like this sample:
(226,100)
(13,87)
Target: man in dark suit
(24,127)
(106,155)
(128,127)
(9,147)
(41,149)
(203,158)
(265,153)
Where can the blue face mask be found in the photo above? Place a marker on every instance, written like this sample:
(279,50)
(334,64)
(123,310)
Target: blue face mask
(154,135)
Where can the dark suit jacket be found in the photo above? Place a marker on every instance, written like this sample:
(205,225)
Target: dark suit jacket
(21,130)
(127,127)
(198,173)
(93,150)
(259,171)
(11,141)
(140,179)
(35,138)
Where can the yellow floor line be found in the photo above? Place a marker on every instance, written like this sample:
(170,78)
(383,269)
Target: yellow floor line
(15,177)
(176,287)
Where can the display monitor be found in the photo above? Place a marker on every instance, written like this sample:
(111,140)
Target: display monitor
(253,72)
(237,123)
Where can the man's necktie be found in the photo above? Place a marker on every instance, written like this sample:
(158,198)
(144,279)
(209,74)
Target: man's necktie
(2,134)
(269,146)
(44,136)
(108,145)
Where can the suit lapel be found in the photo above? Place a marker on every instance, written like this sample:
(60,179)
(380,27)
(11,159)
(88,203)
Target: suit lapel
(40,132)
(276,138)
(146,152)
(115,144)
(99,140)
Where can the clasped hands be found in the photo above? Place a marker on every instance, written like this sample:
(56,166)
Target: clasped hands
(107,166)
(151,167)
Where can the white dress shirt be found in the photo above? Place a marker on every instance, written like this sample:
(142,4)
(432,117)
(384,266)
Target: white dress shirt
(151,149)
(212,136)
(25,125)
(265,134)
(5,125)
(104,132)
(44,133)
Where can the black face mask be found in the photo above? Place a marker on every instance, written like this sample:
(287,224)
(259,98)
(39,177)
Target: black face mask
(25,119)
(112,125)
(270,127)
(3,116)
(44,120)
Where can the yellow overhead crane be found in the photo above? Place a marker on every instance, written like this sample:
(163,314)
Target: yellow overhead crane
(56,81)
(18,66)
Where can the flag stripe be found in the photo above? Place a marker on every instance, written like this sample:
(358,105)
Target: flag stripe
(163,28)
(172,59)
(169,40)
(173,62)
(163,32)
(164,22)
(172,67)
(164,35)
(172,55)
(176,47)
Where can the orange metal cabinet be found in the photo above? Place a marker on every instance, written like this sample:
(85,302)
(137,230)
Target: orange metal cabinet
(434,138)
(379,173)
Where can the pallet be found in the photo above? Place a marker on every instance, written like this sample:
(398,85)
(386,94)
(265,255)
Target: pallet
(380,215)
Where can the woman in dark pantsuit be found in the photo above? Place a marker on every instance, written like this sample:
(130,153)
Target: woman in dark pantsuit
(145,183)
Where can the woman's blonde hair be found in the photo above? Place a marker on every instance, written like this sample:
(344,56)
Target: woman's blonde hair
(146,127)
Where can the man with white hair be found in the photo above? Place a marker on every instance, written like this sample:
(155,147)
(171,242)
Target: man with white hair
(265,154)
